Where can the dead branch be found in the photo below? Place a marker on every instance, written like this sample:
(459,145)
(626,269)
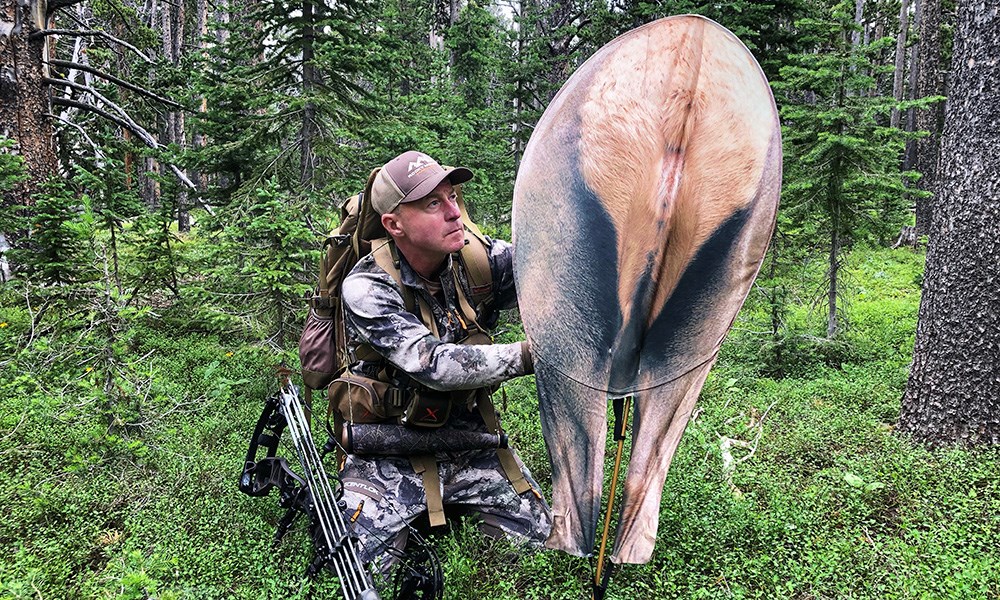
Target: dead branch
(125,84)
(907,236)
(141,133)
(89,32)
(83,132)
(726,445)
(123,117)
(90,90)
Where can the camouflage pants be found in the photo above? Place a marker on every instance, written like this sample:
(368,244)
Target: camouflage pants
(391,495)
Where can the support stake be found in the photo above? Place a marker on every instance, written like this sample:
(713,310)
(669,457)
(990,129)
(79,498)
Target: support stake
(621,406)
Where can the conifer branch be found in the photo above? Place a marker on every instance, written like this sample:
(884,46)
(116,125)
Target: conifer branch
(83,132)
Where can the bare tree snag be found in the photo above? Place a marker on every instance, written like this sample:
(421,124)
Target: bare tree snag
(310,80)
(198,139)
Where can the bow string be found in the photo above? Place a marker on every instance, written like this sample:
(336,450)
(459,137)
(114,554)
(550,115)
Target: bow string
(313,492)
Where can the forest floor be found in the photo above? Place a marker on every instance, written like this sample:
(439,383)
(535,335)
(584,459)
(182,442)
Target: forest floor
(122,438)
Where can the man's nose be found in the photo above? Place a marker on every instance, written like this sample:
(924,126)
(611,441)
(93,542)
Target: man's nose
(453,211)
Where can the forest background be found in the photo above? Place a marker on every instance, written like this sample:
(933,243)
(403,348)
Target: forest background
(170,168)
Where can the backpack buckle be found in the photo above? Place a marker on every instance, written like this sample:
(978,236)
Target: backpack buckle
(395,397)
(320,301)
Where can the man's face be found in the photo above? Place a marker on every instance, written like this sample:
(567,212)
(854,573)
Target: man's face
(431,226)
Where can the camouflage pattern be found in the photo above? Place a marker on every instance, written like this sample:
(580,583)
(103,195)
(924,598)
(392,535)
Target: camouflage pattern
(390,439)
(387,490)
(391,495)
(374,313)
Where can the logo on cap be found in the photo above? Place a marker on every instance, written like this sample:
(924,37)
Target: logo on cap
(419,164)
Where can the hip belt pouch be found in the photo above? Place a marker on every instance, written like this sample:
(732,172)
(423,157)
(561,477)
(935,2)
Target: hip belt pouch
(360,399)
(428,408)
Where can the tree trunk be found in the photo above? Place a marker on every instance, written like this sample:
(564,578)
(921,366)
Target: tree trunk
(835,199)
(148,184)
(173,49)
(558,29)
(24,101)
(221,13)
(310,75)
(859,12)
(900,62)
(198,139)
(519,140)
(929,83)
(953,394)
(834,271)
(880,79)
(911,117)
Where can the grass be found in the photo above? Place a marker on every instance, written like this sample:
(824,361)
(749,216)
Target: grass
(125,486)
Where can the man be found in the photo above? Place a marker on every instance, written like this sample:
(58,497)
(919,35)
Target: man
(420,351)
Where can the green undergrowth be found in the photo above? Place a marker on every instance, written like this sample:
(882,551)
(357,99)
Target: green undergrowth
(122,437)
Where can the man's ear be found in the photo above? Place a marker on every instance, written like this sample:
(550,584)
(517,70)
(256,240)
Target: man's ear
(390,221)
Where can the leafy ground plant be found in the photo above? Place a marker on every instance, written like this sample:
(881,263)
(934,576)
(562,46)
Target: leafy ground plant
(119,475)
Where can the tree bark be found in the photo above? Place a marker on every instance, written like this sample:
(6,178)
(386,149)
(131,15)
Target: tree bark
(859,12)
(310,79)
(173,133)
(953,393)
(198,139)
(911,117)
(929,83)
(900,62)
(148,184)
(24,100)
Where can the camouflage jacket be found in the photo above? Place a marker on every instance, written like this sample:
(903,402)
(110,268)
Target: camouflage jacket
(375,314)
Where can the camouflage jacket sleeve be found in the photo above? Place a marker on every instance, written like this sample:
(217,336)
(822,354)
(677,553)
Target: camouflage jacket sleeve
(375,314)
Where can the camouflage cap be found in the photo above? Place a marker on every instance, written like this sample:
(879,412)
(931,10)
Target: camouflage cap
(411,176)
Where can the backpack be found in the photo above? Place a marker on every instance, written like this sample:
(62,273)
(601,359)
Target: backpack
(323,345)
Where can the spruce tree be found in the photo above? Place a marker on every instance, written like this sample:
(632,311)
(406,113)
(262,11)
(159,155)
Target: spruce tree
(261,258)
(59,251)
(844,181)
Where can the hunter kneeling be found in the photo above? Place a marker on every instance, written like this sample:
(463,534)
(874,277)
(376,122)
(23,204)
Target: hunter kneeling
(416,313)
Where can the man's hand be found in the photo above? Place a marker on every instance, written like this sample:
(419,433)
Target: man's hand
(526,359)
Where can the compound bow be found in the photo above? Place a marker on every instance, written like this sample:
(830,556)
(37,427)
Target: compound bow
(317,495)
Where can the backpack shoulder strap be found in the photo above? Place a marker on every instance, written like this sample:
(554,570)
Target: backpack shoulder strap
(475,258)
(387,258)
(476,261)
(369,224)
(384,253)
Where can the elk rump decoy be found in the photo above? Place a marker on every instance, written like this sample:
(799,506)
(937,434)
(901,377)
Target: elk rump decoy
(643,206)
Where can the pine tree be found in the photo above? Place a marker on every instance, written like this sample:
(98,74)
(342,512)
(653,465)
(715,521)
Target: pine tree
(283,95)
(481,66)
(59,251)
(842,161)
(113,203)
(261,259)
